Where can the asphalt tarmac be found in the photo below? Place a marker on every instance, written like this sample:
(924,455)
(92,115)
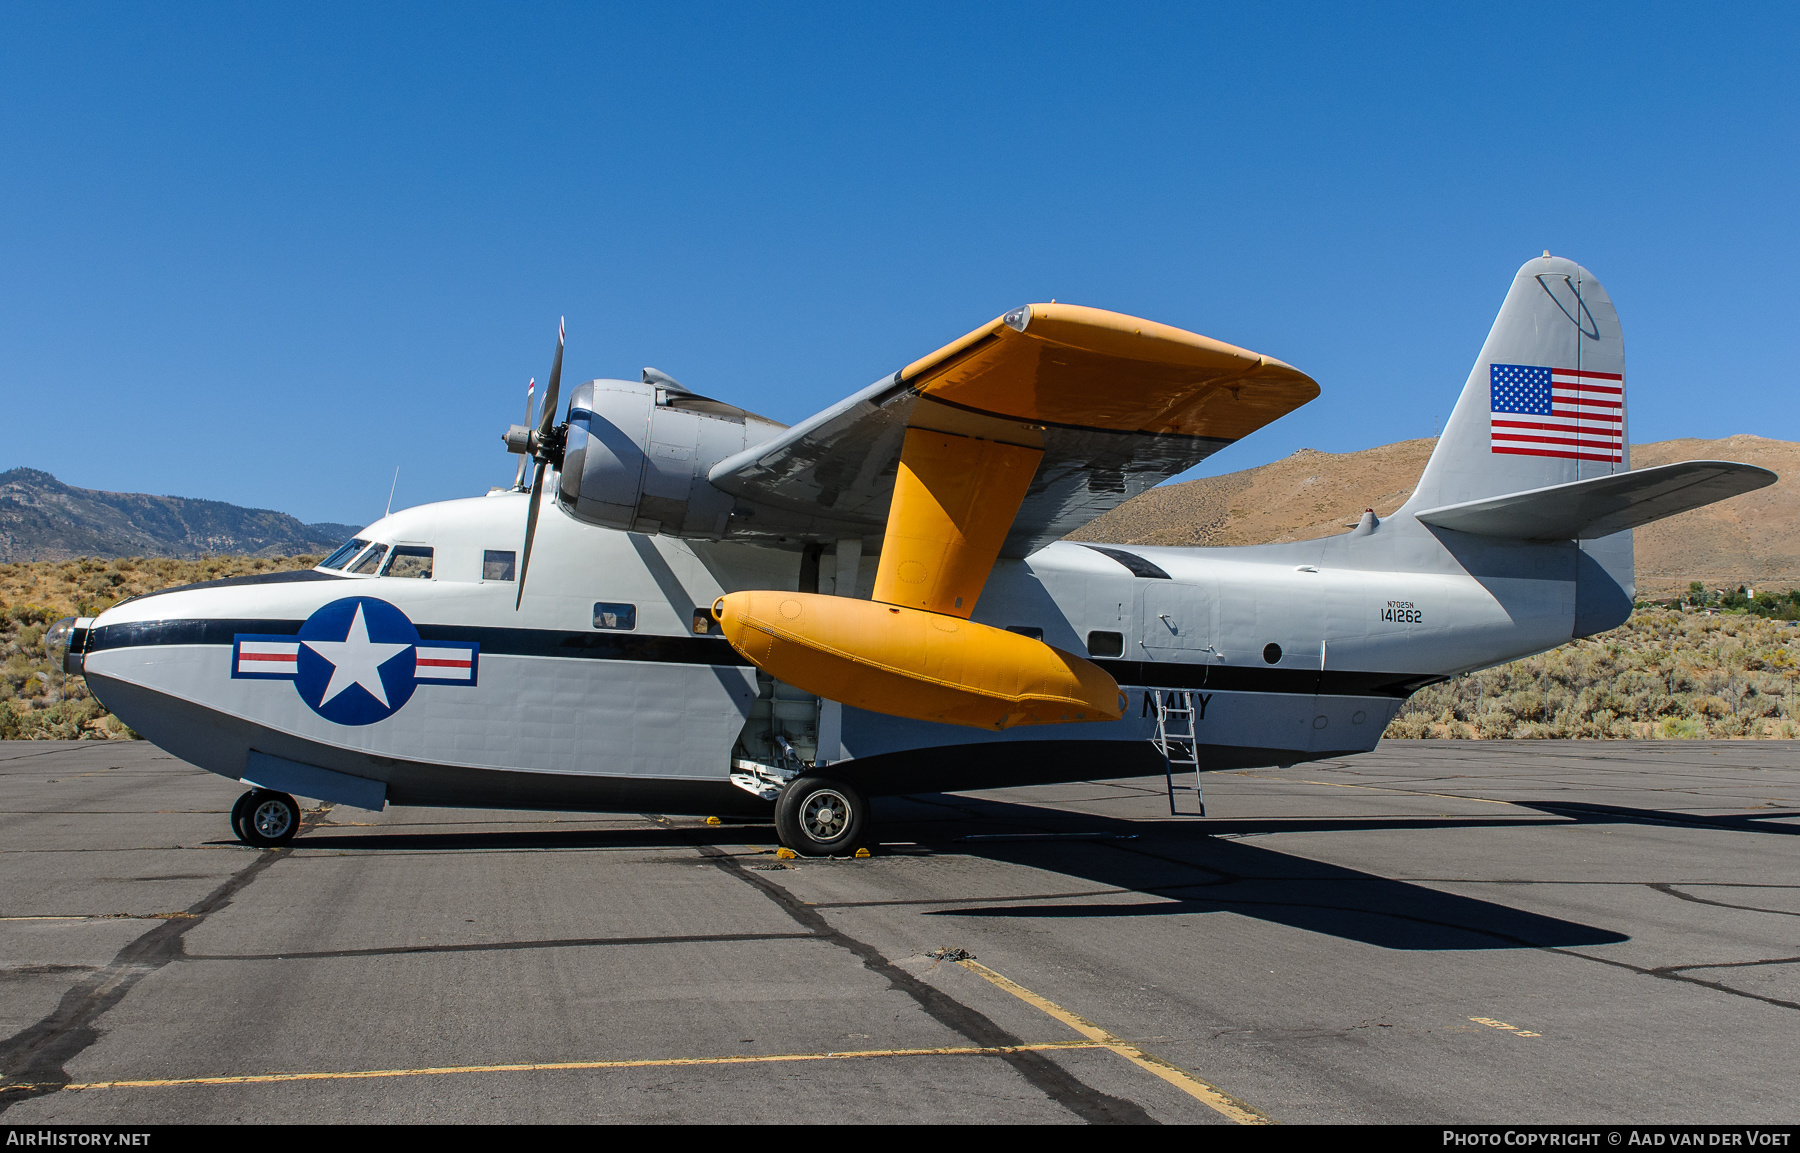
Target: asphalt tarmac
(1445,932)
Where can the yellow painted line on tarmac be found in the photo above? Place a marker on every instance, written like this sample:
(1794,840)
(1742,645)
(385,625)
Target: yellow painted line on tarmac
(556,1066)
(1502,1025)
(1202,1091)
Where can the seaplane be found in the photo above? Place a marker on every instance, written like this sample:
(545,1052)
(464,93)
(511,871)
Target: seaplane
(682,607)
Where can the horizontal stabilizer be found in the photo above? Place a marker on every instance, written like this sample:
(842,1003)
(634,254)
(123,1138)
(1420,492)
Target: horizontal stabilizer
(1601,505)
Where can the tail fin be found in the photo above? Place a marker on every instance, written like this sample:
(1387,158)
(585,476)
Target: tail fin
(1545,402)
(1545,405)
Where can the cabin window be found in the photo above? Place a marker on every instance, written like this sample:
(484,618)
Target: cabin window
(1102,644)
(1031,631)
(410,560)
(611,616)
(343,554)
(370,562)
(497,565)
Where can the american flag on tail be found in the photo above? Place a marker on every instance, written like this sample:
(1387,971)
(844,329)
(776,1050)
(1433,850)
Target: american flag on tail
(1562,412)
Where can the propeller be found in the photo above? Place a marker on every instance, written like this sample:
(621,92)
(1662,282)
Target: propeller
(525,461)
(543,444)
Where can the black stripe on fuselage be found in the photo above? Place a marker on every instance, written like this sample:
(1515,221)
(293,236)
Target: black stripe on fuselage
(1239,679)
(606,646)
(686,650)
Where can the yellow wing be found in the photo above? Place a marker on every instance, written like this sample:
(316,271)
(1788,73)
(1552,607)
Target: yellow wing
(1001,441)
(1116,405)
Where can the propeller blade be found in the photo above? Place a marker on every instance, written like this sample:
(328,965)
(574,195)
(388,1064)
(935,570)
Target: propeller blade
(547,418)
(546,425)
(524,460)
(531,515)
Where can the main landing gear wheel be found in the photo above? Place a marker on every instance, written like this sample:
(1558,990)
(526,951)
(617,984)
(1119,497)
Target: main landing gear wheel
(239,810)
(819,817)
(265,818)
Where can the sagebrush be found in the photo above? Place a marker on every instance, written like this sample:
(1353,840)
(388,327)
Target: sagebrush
(1665,673)
(37,702)
(1687,672)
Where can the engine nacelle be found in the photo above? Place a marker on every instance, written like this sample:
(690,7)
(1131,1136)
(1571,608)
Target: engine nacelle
(637,456)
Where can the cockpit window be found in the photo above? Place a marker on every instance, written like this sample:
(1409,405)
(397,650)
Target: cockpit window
(345,551)
(370,562)
(410,561)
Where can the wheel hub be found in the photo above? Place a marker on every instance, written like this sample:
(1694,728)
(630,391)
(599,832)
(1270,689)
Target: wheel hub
(270,819)
(824,815)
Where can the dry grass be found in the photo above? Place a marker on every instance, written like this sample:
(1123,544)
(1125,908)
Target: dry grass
(1664,674)
(36,701)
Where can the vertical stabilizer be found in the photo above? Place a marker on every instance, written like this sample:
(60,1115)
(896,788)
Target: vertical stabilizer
(1545,402)
(1544,405)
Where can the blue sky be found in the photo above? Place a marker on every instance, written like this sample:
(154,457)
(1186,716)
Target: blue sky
(267,254)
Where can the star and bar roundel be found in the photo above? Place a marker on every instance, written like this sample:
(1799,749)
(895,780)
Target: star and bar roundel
(1562,412)
(355,661)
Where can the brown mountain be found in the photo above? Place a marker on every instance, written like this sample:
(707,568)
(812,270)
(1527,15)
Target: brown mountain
(1754,538)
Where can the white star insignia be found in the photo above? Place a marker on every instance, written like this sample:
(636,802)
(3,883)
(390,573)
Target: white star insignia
(356,660)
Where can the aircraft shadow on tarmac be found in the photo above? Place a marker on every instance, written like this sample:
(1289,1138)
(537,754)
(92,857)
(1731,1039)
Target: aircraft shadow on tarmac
(1190,866)
(1195,867)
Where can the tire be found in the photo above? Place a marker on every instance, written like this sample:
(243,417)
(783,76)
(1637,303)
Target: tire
(270,819)
(239,810)
(820,817)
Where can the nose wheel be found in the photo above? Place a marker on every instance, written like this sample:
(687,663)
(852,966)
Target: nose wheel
(265,818)
(820,817)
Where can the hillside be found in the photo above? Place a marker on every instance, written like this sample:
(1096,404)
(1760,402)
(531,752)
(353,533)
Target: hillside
(43,519)
(1664,674)
(1754,538)
(36,700)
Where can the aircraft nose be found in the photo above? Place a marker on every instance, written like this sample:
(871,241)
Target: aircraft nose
(66,641)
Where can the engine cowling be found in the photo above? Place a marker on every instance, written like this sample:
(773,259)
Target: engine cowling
(637,456)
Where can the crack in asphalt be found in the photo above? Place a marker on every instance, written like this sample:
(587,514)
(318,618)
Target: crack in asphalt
(500,946)
(33,1061)
(1051,1079)
(1677,973)
(1664,972)
(1674,892)
(1735,964)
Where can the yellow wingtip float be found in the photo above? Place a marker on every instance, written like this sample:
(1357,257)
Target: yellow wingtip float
(910,663)
(972,448)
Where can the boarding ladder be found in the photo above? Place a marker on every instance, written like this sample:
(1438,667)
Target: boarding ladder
(1179,745)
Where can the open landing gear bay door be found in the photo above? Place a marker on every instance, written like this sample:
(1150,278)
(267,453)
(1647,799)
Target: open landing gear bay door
(994,445)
